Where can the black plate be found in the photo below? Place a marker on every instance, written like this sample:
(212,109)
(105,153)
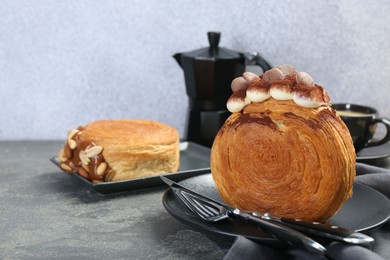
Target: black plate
(366,210)
(194,160)
(374,153)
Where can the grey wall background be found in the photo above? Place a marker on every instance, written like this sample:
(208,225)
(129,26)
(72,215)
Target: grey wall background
(66,63)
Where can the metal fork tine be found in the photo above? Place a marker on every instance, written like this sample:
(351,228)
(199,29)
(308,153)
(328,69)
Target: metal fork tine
(201,200)
(188,204)
(198,209)
(210,210)
(203,208)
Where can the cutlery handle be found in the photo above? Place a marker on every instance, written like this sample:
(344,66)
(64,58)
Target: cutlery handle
(281,232)
(327,230)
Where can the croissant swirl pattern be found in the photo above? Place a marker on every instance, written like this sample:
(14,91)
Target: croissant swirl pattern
(287,160)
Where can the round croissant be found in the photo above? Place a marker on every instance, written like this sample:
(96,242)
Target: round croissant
(284,159)
(113,150)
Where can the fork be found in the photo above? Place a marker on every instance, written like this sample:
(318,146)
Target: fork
(213,211)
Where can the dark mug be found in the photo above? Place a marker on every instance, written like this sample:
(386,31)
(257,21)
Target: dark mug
(362,123)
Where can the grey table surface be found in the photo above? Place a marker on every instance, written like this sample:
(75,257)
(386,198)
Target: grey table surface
(45,213)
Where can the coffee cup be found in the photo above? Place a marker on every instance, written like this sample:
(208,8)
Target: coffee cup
(362,124)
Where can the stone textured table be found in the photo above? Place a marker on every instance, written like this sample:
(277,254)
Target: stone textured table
(45,213)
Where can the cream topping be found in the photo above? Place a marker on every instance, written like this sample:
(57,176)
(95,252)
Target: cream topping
(239,83)
(256,94)
(281,94)
(237,101)
(281,83)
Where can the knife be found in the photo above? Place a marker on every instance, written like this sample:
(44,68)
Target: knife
(213,211)
(313,228)
(322,229)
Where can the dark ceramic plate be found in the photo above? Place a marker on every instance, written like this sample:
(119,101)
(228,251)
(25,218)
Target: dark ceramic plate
(374,153)
(194,160)
(366,210)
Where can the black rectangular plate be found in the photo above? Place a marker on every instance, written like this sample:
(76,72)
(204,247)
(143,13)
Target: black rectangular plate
(194,160)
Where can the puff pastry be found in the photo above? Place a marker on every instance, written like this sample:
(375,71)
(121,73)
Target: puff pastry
(112,150)
(279,157)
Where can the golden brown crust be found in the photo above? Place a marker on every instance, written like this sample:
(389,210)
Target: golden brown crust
(279,158)
(133,148)
(130,133)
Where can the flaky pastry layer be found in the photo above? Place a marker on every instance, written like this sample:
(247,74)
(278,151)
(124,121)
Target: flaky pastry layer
(279,158)
(130,148)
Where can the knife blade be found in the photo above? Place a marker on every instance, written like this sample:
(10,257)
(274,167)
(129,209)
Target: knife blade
(324,230)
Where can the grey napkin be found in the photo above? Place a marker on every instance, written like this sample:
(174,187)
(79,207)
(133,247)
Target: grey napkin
(375,177)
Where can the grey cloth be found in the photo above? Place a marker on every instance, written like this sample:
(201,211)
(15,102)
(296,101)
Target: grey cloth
(375,177)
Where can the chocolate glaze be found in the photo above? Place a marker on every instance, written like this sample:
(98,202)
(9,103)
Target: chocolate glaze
(304,91)
(74,162)
(326,114)
(248,119)
(309,92)
(259,84)
(312,123)
(287,84)
(239,94)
